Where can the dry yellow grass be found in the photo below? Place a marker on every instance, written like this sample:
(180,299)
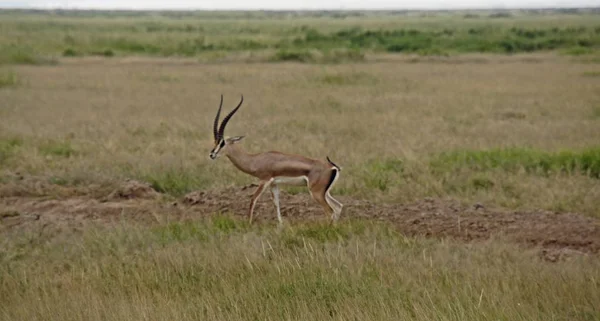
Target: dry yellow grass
(100,120)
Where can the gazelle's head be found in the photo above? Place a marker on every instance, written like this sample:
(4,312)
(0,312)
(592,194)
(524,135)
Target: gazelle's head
(222,142)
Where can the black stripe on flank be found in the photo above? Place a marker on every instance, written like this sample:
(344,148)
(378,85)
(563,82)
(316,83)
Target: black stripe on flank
(334,173)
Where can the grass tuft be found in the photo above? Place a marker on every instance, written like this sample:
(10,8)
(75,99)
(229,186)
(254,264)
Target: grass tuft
(174,181)
(8,147)
(58,148)
(8,78)
(381,175)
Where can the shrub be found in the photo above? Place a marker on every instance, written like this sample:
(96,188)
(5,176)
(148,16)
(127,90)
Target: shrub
(293,55)
(70,52)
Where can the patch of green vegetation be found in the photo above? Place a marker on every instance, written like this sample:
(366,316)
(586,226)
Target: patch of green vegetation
(578,51)
(58,181)
(218,224)
(22,56)
(446,40)
(327,233)
(57,148)
(130,45)
(293,55)
(340,79)
(105,53)
(174,181)
(293,38)
(70,52)
(591,74)
(224,223)
(7,148)
(8,78)
(383,174)
(596,112)
(343,55)
(181,231)
(482,183)
(514,159)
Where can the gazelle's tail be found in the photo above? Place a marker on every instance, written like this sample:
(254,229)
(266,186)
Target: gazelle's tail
(333,164)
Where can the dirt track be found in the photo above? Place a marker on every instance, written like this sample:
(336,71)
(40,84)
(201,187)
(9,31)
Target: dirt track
(555,233)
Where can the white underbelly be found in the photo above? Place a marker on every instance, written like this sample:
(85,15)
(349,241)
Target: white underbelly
(289,180)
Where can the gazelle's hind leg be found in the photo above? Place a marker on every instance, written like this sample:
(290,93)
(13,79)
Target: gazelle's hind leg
(319,194)
(275,192)
(335,204)
(321,199)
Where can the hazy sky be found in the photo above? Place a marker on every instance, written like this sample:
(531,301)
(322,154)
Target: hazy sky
(294,4)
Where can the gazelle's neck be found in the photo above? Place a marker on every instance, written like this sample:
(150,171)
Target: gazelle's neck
(240,158)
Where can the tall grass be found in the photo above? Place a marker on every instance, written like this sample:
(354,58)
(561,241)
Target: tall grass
(222,270)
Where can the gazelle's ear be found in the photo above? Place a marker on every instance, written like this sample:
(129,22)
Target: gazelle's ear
(235,139)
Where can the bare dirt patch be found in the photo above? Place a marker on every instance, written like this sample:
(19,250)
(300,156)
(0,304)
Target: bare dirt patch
(558,234)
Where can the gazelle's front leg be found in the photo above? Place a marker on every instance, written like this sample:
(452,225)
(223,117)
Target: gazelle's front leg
(275,192)
(259,190)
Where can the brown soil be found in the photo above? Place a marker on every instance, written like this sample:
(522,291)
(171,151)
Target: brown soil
(557,234)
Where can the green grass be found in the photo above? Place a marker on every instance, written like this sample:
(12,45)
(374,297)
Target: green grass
(296,38)
(19,55)
(293,55)
(591,74)
(8,147)
(348,79)
(220,270)
(586,161)
(8,78)
(58,148)
(596,112)
(176,181)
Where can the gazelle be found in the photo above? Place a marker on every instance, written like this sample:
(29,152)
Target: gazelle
(275,168)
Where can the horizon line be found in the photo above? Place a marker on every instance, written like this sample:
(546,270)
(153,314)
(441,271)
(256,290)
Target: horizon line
(92,8)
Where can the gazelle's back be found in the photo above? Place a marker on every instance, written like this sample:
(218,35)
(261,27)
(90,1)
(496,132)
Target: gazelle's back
(275,164)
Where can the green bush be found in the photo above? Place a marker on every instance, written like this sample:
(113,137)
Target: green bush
(293,55)
(70,52)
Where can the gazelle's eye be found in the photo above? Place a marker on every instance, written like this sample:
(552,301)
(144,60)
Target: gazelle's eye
(222,143)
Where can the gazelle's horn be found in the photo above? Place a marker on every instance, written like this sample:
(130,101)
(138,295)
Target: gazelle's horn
(227,118)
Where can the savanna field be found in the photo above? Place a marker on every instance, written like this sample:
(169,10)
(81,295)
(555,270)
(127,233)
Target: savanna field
(469,144)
